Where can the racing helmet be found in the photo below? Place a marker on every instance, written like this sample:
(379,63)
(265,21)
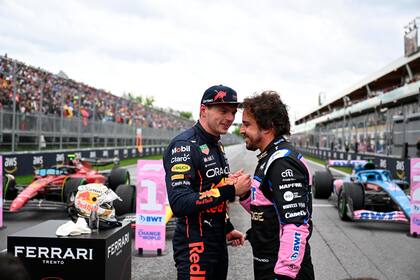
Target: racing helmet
(85,199)
(369,165)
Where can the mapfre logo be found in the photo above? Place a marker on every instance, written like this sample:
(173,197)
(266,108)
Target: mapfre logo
(181,149)
(10,164)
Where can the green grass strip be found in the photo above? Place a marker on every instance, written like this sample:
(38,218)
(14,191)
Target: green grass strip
(27,179)
(347,170)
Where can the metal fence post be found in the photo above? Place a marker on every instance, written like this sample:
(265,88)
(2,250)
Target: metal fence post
(14,105)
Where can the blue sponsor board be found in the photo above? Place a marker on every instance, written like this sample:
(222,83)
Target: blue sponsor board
(26,163)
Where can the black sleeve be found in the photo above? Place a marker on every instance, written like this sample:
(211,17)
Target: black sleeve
(183,181)
(290,191)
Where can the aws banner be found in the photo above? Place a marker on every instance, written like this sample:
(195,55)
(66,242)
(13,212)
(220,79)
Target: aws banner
(415,196)
(151,202)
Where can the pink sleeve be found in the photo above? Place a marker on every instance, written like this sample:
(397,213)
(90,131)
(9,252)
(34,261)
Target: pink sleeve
(292,249)
(246,204)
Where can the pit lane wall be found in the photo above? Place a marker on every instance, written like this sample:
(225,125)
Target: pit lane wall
(400,168)
(25,163)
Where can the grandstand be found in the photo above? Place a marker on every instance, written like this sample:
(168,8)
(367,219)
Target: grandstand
(379,115)
(41,110)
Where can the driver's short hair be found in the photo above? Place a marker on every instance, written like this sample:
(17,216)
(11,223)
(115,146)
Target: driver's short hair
(269,111)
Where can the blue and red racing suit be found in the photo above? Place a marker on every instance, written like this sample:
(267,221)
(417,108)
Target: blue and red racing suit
(280,205)
(196,169)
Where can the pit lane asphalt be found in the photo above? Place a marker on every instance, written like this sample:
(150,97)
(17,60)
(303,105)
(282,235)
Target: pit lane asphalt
(340,250)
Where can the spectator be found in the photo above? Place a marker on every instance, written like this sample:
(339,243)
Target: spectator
(63,95)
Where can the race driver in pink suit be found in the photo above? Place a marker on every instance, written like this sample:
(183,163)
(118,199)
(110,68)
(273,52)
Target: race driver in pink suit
(280,200)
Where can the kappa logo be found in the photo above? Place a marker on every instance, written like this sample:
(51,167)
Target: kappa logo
(181,168)
(287,173)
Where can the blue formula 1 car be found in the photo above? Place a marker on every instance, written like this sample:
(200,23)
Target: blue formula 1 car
(367,194)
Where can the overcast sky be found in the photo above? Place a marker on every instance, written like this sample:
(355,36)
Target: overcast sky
(174,50)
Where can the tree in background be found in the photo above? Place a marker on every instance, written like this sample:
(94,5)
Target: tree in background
(236,129)
(186,115)
(149,100)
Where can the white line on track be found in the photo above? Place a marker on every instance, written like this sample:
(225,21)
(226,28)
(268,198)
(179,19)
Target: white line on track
(321,165)
(322,205)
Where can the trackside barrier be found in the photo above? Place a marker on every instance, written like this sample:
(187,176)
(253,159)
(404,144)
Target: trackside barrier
(399,168)
(415,197)
(25,163)
(150,232)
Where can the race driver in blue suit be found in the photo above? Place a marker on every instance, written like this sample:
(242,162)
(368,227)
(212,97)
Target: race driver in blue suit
(200,184)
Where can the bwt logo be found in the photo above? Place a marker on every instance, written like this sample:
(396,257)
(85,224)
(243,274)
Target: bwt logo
(416,221)
(296,246)
(151,220)
(287,173)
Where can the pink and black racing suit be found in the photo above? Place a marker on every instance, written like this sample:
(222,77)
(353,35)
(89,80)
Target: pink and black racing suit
(280,205)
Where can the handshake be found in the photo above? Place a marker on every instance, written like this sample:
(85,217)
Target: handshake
(241,181)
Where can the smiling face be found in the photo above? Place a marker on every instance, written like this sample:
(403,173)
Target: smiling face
(252,133)
(216,119)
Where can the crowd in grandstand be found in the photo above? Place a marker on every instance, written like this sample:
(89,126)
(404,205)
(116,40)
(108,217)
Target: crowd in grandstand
(40,91)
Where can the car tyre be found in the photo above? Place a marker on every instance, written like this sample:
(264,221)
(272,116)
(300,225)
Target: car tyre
(350,198)
(322,184)
(70,187)
(119,176)
(128,204)
(9,187)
